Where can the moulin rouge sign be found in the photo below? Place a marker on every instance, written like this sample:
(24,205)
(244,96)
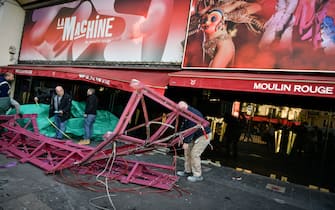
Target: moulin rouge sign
(296,89)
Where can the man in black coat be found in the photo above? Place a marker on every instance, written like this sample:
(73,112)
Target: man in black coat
(89,115)
(60,108)
(233,132)
(4,92)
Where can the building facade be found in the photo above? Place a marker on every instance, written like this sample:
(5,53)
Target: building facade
(271,61)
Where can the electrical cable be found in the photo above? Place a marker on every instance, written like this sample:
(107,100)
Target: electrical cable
(112,157)
(79,183)
(97,198)
(75,171)
(110,163)
(53,124)
(161,123)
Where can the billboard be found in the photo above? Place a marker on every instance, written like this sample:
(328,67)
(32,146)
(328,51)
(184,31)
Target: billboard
(271,35)
(106,31)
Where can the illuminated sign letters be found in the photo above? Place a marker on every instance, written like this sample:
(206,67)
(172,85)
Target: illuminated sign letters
(294,88)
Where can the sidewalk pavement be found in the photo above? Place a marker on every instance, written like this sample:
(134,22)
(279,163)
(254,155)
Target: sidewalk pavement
(26,187)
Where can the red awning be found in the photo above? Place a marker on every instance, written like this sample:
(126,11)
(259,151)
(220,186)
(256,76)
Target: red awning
(114,78)
(306,85)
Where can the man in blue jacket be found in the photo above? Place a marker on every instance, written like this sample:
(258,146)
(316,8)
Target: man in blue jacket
(193,145)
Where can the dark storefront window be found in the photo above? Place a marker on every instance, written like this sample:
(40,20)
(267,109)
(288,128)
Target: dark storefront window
(288,136)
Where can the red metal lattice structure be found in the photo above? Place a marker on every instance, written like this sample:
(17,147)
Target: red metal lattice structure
(20,138)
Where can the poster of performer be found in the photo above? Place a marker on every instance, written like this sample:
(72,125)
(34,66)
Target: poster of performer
(106,31)
(261,35)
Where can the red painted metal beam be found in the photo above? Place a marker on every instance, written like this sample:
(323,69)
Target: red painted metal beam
(54,155)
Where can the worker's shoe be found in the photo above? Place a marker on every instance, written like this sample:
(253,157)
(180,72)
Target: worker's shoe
(84,142)
(195,178)
(184,173)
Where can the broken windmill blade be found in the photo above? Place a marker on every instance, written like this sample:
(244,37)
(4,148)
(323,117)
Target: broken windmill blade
(21,138)
(158,138)
(54,155)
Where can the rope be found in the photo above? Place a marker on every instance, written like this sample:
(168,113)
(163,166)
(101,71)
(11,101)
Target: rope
(161,123)
(53,124)
(112,157)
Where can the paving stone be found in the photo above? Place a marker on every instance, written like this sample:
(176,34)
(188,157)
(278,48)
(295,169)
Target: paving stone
(25,186)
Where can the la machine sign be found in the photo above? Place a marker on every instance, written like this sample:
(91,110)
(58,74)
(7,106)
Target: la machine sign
(296,89)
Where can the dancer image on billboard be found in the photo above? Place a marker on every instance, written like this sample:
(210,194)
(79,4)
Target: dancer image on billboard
(261,35)
(280,25)
(328,36)
(212,23)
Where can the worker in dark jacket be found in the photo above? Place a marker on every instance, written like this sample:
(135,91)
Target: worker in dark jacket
(60,108)
(193,145)
(89,115)
(233,132)
(5,101)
